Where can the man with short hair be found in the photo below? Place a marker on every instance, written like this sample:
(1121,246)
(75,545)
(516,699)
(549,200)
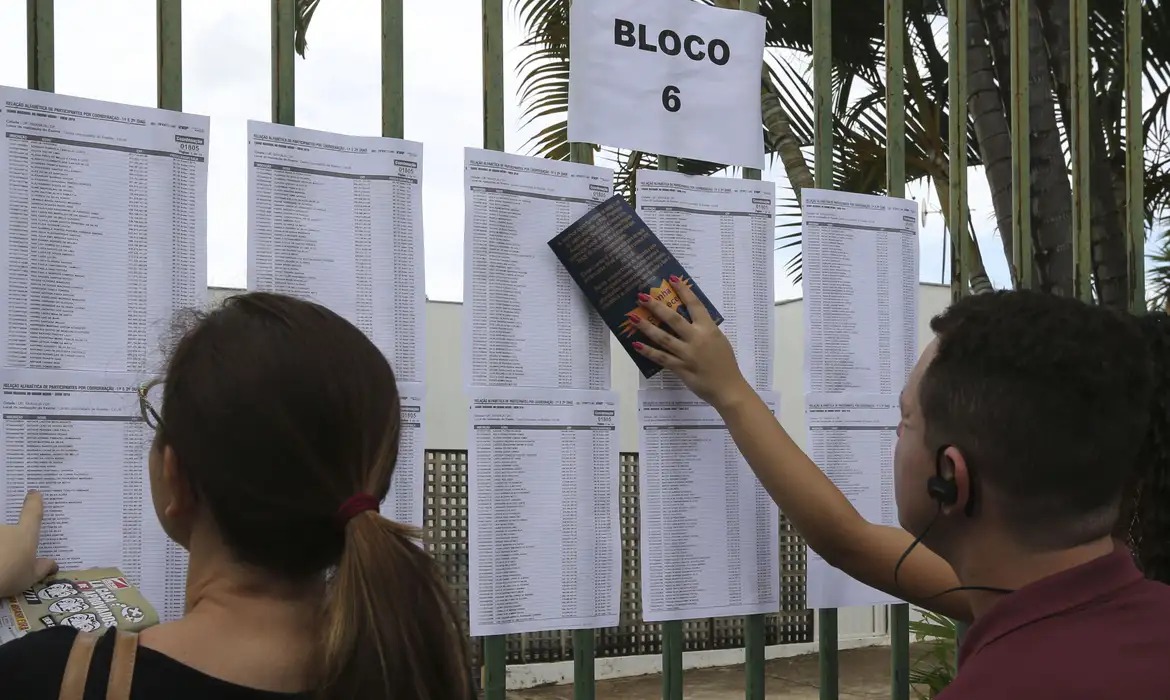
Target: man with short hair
(1022,427)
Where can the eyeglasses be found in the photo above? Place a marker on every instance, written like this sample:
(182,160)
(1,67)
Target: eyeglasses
(149,414)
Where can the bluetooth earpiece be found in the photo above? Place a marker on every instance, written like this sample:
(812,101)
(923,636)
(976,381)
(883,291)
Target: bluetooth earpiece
(943,490)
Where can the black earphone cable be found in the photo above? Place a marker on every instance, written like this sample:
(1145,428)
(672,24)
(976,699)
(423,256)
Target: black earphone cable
(956,589)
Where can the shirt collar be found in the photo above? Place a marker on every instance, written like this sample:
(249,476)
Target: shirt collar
(1051,596)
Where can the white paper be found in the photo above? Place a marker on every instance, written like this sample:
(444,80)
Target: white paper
(79,438)
(525,321)
(851,438)
(860,282)
(404,504)
(667,76)
(103,230)
(721,230)
(545,537)
(710,534)
(338,220)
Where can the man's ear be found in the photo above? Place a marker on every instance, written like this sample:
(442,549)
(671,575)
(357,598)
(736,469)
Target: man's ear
(953,466)
(181,500)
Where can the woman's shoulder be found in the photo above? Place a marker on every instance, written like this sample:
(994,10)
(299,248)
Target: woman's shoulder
(33,665)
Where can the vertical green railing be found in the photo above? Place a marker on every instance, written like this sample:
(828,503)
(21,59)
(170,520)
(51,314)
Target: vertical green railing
(1134,165)
(284,76)
(393,71)
(1022,260)
(961,242)
(823,178)
(672,630)
(1079,146)
(169,49)
(40,45)
(898,615)
(495,648)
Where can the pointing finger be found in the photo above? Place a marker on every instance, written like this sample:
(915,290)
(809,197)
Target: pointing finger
(31,514)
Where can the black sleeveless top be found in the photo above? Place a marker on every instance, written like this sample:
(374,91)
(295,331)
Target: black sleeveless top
(31,668)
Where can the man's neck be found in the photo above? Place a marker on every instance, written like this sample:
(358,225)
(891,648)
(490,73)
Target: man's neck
(1003,565)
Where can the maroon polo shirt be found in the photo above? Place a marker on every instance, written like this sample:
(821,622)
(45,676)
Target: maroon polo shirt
(1100,631)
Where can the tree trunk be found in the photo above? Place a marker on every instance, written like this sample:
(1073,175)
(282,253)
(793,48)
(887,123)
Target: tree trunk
(989,114)
(1051,205)
(784,141)
(1110,267)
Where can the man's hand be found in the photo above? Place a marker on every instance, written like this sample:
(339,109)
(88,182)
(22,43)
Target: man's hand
(19,565)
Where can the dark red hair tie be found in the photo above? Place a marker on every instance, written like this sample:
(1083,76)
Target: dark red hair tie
(354,506)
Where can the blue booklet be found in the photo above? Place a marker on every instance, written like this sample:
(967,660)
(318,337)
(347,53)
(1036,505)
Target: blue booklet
(613,256)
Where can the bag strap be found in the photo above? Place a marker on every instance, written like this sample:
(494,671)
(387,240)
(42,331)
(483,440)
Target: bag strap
(77,667)
(122,666)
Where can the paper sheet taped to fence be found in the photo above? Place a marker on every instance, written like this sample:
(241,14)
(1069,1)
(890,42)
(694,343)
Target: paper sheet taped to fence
(545,538)
(710,533)
(79,438)
(105,230)
(722,231)
(104,239)
(338,220)
(525,321)
(851,438)
(860,257)
(860,283)
(667,76)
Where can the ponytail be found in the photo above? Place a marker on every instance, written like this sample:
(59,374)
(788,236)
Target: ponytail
(1146,518)
(390,630)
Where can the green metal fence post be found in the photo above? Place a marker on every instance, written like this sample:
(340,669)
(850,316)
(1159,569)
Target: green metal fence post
(898,615)
(584,641)
(672,633)
(1021,145)
(1134,166)
(1080,146)
(753,625)
(283,68)
(393,71)
(961,242)
(39,22)
(822,11)
(170,53)
(495,648)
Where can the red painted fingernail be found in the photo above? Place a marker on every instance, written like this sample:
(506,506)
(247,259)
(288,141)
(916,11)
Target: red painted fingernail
(634,319)
(643,297)
(638,346)
(674,278)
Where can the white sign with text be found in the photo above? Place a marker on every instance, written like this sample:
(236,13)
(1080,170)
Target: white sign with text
(674,77)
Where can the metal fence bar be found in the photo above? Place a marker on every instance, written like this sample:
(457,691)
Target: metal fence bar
(393,71)
(1021,144)
(898,615)
(1134,164)
(495,648)
(822,14)
(584,641)
(40,45)
(170,53)
(961,241)
(754,629)
(1080,146)
(283,69)
(672,631)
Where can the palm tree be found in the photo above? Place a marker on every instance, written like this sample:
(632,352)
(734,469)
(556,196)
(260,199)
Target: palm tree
(859,114)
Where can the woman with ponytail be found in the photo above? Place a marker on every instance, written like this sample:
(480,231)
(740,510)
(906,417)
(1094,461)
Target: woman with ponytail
(276,436)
